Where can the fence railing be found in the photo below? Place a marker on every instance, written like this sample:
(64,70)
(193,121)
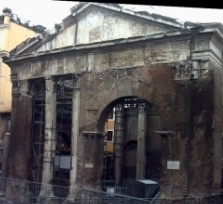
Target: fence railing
(20,191)
(93,197)
(88,196)
(26,192)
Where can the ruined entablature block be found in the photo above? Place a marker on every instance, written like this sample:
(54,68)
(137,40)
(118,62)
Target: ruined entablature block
(187,69)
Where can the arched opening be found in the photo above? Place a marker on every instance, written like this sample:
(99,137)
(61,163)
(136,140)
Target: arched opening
(130,125)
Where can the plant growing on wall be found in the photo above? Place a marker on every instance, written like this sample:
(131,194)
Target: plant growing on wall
(199,80)
(57,26)
(15,18)
(7,10)
(26,23)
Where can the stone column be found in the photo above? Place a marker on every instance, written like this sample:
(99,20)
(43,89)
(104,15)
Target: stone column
(5,154)
(19,146)
(118,143)
(11,157)
(50,137)
(74,137)
(4,160)
(141,142)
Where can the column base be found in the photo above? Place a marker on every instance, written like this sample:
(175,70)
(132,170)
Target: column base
(73,193)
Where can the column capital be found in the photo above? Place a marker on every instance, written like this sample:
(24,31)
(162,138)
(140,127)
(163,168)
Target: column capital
(119,107)
(50,83)
(77,82)
(142,106)
(50,77)
(24,88)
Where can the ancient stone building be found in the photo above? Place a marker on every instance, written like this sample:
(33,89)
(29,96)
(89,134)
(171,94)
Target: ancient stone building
(164,80)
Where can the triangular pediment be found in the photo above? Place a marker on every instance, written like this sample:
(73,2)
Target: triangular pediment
(100,22)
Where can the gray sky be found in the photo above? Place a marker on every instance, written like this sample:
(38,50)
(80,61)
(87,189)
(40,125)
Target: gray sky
(48,12)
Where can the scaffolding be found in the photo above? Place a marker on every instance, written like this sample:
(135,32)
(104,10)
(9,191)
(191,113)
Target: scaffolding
(64,92)
(38,125)
(108,179)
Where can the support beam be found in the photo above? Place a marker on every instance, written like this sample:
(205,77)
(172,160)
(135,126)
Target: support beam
(119,114)
(75,136)
(141,141)
(50,137)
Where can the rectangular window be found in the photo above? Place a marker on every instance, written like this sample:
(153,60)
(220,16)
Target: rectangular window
(110,136)
(111,115)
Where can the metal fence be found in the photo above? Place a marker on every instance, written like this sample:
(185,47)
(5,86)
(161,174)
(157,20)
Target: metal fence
(215,199)
(93,197)
(25,192)
(87,196)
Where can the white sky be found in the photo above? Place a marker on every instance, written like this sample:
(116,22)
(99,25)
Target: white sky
(48,12)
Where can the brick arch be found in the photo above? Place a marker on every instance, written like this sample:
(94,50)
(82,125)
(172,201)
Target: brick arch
(103,89)
(105,108)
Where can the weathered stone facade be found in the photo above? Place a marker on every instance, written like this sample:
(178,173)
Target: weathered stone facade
(177,70)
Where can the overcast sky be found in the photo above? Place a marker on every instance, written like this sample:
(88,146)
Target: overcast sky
(48,12)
